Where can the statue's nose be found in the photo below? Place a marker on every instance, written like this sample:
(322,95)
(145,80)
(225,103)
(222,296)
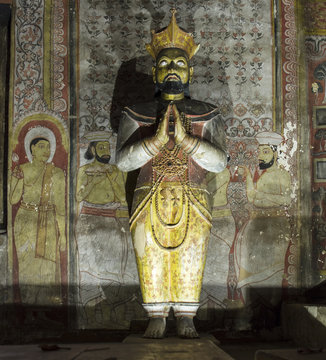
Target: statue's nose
(172,65)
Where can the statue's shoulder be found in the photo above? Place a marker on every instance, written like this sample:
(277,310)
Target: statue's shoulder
(143,112)
(148,112)
(200,110)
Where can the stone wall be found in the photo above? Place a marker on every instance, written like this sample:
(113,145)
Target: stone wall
(74,69)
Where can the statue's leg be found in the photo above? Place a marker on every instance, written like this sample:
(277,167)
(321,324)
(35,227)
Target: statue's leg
(157,314)
(154,276)
(187,266)
(184,314)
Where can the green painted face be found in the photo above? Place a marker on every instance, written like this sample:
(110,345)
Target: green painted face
(265,154)
(41,150)
(103,148)
(172,70)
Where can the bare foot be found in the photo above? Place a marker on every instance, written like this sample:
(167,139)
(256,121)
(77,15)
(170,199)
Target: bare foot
(155,328)
(186,328)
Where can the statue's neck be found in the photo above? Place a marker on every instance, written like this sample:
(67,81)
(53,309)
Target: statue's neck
(172,97)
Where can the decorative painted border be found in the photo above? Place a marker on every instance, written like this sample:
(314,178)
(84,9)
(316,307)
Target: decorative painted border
(290,116)
(28,67)
(41,57)
(59,58)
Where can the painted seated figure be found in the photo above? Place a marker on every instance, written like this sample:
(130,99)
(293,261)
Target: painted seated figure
(174,141)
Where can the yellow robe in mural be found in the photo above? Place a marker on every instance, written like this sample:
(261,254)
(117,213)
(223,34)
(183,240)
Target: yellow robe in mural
(101,230)
(36,232)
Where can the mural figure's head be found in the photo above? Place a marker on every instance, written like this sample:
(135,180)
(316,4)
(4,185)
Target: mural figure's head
(40,149)
(267,151)
(99,146)
(172,48)
(267,156)
(101,151)
(40,144)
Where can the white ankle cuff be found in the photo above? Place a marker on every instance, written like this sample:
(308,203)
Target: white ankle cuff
(185,309)
(157,310)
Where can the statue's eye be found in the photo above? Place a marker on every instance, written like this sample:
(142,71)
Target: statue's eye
(163,63)
(181,63)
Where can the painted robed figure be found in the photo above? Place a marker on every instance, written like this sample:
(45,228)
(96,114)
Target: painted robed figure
(175,141)
(38,186)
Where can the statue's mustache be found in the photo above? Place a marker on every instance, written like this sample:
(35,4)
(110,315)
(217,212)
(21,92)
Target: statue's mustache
(171,75)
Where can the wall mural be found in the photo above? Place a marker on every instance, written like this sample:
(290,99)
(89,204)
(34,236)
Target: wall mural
(28,56)
(38,197)
(316,60)
(38,193)
(106,263)
(234,70)
(232,67)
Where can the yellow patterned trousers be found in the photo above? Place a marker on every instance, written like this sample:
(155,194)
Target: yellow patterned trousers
(170,237)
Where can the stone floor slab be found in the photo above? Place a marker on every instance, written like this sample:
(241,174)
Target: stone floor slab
(135,349)
(139,339)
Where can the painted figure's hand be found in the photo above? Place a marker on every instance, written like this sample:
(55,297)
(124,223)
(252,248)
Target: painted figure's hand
(17,173)
(180,132)
(243,170)
(162,133)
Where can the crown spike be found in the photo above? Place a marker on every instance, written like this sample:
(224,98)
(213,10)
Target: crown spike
(172,37)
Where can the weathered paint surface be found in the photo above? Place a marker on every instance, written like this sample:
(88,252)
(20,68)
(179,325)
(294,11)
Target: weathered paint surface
(234,69)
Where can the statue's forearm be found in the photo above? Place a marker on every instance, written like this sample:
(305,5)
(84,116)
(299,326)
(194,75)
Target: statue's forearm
(132,157)
(206,155)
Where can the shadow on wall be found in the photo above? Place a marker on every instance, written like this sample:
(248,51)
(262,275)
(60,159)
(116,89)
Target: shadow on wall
(22,324)
(131,87)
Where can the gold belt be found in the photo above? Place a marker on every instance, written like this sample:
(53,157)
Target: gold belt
(35,207)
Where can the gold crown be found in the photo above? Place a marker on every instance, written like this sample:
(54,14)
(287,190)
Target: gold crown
(172,37)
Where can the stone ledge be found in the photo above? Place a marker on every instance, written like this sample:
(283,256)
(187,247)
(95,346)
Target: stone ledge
(287,354)
(305,324)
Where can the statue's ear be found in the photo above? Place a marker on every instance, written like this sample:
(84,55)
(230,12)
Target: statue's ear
(154,74)
(93,150)
(191,73)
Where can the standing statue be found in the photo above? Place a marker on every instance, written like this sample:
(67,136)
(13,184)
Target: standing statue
(174,141)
